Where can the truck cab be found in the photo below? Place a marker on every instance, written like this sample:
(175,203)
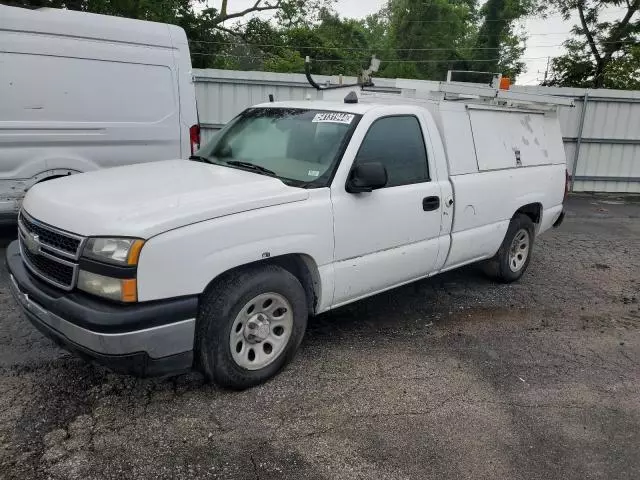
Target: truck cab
(293,209)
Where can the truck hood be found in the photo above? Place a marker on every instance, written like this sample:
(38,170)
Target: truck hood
(146,199)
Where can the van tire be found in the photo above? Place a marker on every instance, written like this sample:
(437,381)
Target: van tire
(222,311)
(507,265)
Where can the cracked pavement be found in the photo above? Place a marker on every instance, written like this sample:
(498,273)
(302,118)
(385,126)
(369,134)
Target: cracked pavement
(449,378)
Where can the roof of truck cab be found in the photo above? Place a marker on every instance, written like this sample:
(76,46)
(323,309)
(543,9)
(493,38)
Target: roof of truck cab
(83,25)
(356,108)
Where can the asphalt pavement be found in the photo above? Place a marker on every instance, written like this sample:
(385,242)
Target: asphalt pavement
(453,377)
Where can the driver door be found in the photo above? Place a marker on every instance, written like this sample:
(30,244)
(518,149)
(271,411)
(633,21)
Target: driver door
(391,235)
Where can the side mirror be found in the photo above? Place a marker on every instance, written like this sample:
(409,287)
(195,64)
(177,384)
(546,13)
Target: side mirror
(367,177)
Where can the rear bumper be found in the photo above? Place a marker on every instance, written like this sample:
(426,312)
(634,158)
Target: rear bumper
(112,335)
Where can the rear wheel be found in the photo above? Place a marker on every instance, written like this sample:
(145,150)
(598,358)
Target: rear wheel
(251,323)
(514,255)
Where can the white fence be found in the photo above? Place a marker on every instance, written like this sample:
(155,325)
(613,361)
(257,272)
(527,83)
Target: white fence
(602,138)
(601,133)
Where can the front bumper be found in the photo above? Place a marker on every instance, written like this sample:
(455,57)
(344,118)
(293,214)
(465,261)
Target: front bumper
(147,339)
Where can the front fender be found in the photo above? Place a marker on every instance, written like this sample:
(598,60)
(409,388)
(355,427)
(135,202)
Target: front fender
(184,261)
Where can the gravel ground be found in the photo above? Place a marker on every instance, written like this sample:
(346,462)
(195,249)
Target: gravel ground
(454,377)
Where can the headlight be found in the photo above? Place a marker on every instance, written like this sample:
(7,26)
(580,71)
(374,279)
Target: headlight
(122,290)
(123,252)
(118,251)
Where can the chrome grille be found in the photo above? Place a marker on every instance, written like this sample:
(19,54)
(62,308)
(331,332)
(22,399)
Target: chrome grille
(54,271)
(64,243)
(49,252)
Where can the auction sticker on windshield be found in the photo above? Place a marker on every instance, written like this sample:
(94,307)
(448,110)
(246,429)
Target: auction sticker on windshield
(334,117)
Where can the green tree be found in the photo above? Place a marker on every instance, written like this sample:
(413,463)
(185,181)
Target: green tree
(302,12)
(375,29)
(623,73)
(414,38)
(600,50)
(338,45)
(498,48)
(427,37)
(213,45)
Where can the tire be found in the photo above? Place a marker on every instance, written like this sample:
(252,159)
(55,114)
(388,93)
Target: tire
(512,259)
(243,312)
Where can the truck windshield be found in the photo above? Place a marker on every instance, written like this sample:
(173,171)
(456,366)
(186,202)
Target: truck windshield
(301,147)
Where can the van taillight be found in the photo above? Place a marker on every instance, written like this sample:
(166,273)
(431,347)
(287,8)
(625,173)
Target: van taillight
(566,184)
(194,136)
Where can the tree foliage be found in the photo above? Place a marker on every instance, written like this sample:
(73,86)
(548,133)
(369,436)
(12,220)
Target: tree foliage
(601,53)
(414,38)
(498,45)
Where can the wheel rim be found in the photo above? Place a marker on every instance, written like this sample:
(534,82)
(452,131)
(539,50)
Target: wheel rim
(261,331)
(519,250)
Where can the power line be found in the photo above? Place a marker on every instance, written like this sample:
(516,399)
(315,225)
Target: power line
(546,34)
(506,19)
(332,60)
(355,49)
(439,61)
(371,49)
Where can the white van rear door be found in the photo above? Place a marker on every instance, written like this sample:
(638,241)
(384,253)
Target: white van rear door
(186,91)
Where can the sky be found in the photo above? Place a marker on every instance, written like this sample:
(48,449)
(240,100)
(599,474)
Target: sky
(545,36)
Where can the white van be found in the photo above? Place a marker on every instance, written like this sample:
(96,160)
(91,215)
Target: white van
(293,209)
(80,92)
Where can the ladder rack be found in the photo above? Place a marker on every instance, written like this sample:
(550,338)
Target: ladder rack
(482,93)
(491,93)
(454,91)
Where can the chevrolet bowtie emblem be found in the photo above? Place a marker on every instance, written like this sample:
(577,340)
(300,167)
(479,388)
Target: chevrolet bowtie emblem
(32,242)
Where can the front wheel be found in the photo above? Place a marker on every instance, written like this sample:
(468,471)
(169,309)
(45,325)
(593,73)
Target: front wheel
(250,325)
(514,255)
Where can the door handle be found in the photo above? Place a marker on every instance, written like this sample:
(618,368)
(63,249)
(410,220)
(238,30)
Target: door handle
(430,204)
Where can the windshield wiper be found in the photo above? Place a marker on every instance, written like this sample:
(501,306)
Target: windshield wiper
(200,158)
(251,166)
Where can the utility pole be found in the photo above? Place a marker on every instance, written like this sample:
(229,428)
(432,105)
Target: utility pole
(546,72)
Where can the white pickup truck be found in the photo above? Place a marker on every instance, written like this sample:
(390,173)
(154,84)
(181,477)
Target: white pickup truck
(293,209)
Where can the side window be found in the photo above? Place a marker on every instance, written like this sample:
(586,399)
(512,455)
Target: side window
(396,142)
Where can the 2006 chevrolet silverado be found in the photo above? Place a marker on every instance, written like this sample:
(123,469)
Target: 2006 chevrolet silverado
(294,208)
